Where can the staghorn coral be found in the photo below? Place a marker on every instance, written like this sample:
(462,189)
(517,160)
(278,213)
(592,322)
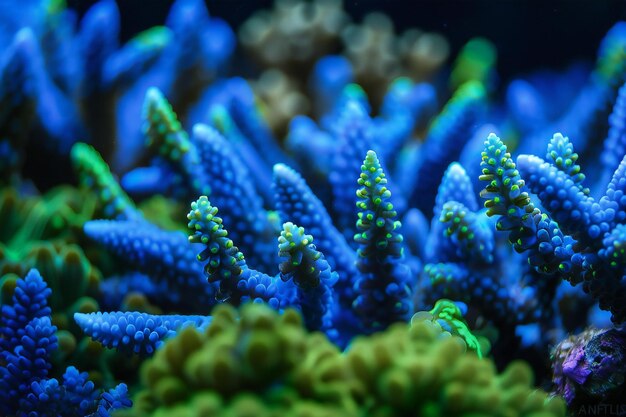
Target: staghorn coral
(175,122)
(311,273)
(507,301)
(45,233)
(382,272)
(579,244)
(77,81)
(385,278)
(28,340)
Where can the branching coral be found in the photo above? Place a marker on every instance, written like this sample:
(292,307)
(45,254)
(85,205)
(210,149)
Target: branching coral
(311,274)
(94,174)
(465,261)
(139,332)
(386,280)
(301,226)
(28,340)
(574,248)
(163,255)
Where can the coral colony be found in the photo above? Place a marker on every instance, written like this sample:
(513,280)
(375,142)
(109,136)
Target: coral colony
(360,226)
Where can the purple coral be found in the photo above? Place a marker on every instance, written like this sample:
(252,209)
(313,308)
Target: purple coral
(590,368)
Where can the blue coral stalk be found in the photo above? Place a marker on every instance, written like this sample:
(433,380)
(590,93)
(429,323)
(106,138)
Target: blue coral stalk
(226,265)
(135,332)
(444,142)
(164,256)
(233,192)
(166,136)
(311,273)
(384,292)
(28,342)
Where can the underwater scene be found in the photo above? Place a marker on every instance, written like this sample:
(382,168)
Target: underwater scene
(308,211)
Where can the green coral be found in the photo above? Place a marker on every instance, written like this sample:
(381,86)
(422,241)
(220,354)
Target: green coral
(379,236)
(258,362)
(449,317)
(165,135)
(476,62)
(94,174)
(162,129)
(256,353)
(225,262)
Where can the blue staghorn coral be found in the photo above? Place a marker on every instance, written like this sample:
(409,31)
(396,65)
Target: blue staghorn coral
(28,340)
(355,208)
(378,271)
(581,244)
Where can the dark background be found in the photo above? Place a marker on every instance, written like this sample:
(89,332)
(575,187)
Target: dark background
(527,34)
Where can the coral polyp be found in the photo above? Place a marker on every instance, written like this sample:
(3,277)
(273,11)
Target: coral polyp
(307,213)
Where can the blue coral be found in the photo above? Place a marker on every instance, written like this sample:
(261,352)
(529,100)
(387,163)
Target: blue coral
(277,221)
(465,262)
(226,265)
(443,145)
(311,273)
(28,342)
(163,255)
(384,292)
(296,203)
(569,248)
(134,332)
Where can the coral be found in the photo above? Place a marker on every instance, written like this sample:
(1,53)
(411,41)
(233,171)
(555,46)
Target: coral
(292,41)
(573,246)
(28,340)
(357,280)
(256,360)
(205,164)
(45,232)
(441,145)
(141,332)
(227,266)
(385,280)
(465,262)
(18,95)
(379,55)
(296,202)
(586,117)
(165,135)
(311,274)
(94,174)
(165,256)
(294,33)
(589,368)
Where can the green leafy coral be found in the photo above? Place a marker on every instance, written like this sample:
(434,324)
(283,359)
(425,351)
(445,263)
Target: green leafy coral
(259,362)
